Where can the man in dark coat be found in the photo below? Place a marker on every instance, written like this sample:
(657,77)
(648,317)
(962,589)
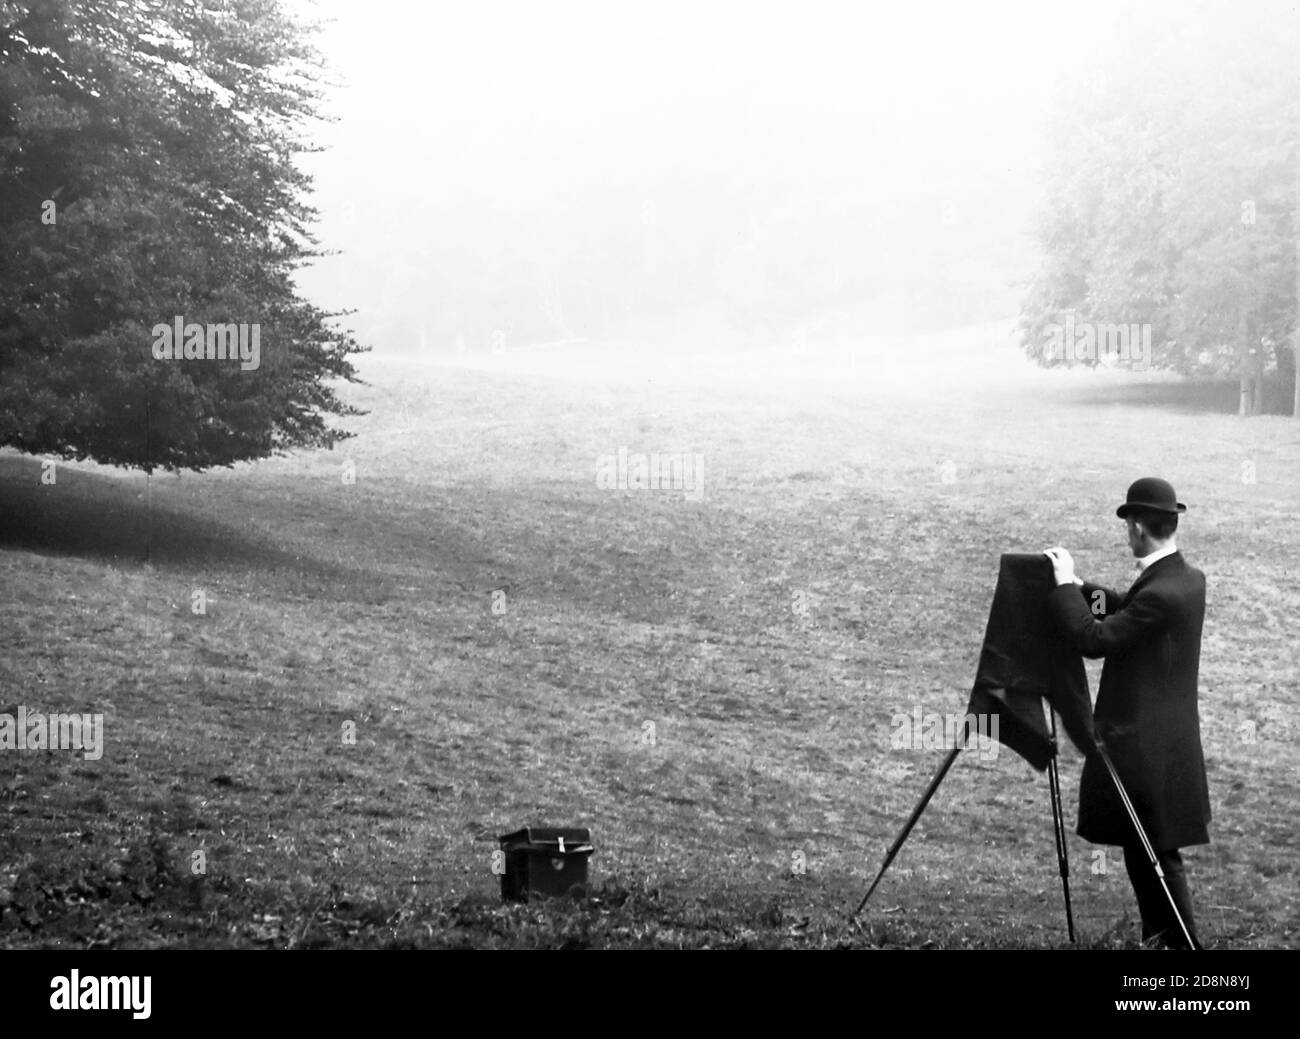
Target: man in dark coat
(1146,711)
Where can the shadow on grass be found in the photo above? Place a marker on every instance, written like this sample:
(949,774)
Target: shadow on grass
(98,517)
(1189,396)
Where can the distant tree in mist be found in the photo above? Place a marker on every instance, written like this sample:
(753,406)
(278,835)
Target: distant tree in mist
(1172,200)
(147,173)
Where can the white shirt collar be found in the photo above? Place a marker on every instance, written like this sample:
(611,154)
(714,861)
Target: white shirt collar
(1159,553)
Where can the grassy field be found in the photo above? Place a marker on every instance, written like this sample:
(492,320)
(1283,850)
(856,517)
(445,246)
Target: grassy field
(708,684)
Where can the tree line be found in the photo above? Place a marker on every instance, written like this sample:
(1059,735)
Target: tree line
(1173,202)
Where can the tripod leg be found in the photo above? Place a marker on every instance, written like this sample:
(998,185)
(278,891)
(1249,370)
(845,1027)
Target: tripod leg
(1058,826)
(907,827)
(1192,943)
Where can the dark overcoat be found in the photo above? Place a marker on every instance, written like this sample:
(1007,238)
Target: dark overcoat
(1146,712)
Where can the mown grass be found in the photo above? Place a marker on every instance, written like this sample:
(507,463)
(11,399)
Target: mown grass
(649,678)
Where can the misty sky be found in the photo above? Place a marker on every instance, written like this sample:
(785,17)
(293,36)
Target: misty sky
(449,112)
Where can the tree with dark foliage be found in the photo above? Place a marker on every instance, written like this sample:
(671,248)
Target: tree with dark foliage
(147,175)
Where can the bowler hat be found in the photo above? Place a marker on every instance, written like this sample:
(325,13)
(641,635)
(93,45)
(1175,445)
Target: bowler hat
(1151,492)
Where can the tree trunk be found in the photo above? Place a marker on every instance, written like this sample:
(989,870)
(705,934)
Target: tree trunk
(1251,370)
(1286,371)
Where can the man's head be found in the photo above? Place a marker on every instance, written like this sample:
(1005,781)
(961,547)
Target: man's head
(1151,511)
(1149,530)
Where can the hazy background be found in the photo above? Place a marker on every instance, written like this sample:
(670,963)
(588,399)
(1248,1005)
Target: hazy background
(514,174)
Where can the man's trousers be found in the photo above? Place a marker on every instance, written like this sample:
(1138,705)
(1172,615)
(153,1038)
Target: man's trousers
(1157,917)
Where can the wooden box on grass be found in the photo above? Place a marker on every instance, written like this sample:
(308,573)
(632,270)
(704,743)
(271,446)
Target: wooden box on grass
(545,860)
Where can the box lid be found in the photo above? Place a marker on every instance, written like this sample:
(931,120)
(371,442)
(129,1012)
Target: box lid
(551,840)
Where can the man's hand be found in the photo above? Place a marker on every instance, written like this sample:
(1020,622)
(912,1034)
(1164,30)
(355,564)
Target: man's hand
(1062,565)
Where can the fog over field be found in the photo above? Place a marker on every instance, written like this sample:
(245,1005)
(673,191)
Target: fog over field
(582,170)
